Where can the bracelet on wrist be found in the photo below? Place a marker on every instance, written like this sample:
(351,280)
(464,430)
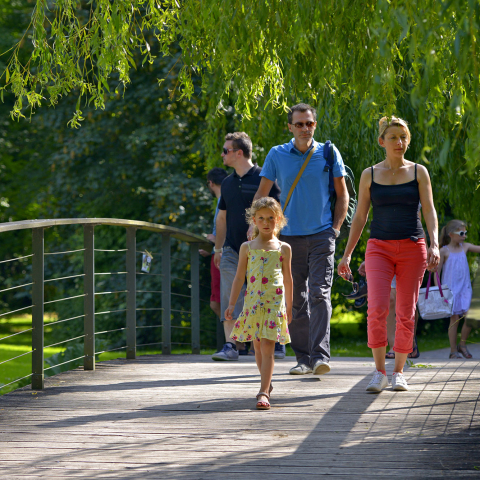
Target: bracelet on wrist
(218,250)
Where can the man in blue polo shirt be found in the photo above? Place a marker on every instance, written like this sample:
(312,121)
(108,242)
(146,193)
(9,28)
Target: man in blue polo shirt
(311,232)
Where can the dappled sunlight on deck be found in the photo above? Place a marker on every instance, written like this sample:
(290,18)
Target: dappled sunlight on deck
(188,417)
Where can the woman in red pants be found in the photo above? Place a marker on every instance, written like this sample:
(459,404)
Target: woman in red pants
(395,187)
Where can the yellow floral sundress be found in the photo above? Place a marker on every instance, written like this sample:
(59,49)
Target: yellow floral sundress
(264,314)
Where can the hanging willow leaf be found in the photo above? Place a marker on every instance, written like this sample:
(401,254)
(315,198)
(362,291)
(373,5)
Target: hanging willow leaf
(369,56)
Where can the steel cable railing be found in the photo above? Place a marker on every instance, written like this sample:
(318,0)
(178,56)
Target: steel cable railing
(16,258)
(173,299)
(17,286)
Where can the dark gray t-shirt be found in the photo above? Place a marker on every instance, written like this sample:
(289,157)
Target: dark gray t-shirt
(236,196)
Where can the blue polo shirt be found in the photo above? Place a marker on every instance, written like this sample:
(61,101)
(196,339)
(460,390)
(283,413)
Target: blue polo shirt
(308,211)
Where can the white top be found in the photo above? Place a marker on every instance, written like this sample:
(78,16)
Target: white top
(456,275)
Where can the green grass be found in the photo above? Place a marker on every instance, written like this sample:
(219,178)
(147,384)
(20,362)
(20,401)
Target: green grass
(348,339)
(14,346)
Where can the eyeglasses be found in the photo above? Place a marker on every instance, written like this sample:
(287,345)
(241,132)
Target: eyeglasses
(301,124)
(461,233)
(226,150)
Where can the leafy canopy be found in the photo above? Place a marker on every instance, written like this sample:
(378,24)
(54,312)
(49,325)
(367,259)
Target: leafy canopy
(263,53)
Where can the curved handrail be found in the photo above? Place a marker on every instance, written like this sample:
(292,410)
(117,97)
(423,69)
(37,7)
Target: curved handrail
(38,228)
(153,227)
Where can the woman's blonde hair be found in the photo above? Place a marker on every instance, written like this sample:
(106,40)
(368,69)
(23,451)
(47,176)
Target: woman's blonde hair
(386,122)
(450,227)
(271,204)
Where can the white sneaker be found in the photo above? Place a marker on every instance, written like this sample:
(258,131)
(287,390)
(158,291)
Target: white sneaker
(399,382)
(300,369)
(378,382)
(321,367)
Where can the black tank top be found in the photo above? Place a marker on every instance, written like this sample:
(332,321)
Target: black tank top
(395,211)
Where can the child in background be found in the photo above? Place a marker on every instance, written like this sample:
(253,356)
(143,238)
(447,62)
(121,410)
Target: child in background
(267,310)
(456,275)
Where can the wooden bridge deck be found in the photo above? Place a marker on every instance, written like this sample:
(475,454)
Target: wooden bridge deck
(187,417)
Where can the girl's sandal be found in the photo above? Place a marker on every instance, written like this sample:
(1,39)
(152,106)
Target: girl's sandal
(390,355)
(262,405)
(464,351)
(454,355)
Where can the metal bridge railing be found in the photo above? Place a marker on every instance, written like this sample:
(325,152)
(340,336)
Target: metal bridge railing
(130,327)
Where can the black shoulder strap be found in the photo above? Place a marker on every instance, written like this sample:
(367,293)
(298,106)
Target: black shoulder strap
(329,156)
(372,173)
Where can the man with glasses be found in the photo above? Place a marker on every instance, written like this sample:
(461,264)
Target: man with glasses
(237,193)
(311,232)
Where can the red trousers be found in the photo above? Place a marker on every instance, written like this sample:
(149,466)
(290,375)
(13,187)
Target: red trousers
(384,259)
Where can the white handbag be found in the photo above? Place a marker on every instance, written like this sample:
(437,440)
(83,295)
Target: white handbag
(435,302)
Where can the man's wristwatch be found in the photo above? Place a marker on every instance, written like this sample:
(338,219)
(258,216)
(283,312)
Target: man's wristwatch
(218,250)
(337,232)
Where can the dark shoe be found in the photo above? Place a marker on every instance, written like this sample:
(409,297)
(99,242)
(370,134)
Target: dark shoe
(415,353)
(360,302)
(280,351)
(244,351)
(464,351)
(454,355)
(361,292)
(390,355)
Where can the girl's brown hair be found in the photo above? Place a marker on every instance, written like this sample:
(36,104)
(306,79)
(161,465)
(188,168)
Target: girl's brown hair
(450,227)
(386,122)
(271,204)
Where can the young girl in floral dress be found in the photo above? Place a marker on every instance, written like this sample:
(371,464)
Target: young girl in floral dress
(267,310)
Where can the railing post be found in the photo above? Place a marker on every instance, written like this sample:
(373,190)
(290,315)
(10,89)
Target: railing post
(131,293)
(195,293)
(166,297)
(38,308)
(89,299)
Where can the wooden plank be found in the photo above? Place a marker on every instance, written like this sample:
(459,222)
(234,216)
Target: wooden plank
(188,417)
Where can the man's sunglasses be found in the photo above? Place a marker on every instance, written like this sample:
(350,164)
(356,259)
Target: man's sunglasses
(301,124)
(226,150)
(461,233)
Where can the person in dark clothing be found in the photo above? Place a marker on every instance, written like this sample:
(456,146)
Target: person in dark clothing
(237,193)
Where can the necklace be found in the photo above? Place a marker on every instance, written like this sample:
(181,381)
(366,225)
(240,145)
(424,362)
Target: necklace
(391,169)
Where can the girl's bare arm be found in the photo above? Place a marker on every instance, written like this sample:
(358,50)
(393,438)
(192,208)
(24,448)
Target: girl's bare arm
(472,248)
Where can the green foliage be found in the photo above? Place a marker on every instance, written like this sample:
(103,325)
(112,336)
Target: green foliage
(138,158)
(360,57)
(194,71)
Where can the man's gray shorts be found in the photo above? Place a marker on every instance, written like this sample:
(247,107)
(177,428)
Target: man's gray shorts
(228,269)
